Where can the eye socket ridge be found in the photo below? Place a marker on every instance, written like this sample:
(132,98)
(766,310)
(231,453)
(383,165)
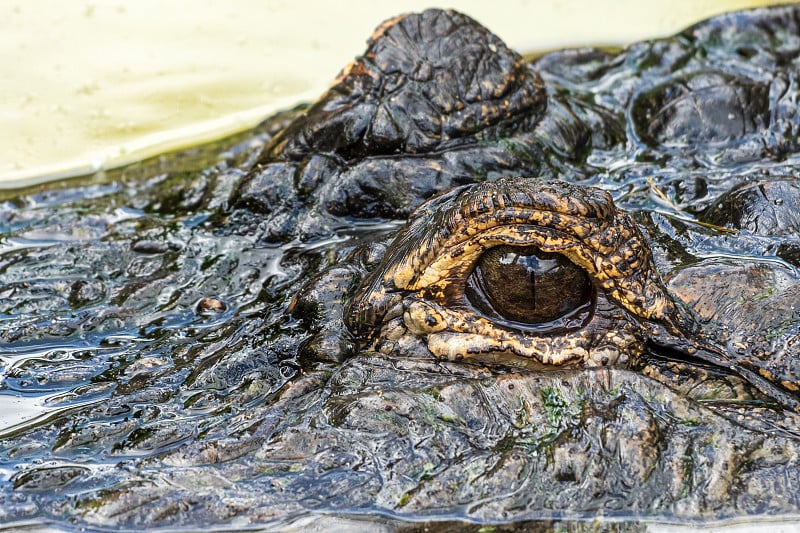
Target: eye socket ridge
(524,288)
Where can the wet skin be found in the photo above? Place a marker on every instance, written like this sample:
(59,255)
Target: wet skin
(462,284)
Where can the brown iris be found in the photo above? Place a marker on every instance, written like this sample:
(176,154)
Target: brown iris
(528,287)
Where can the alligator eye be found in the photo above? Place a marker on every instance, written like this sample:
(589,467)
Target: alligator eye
(528,287)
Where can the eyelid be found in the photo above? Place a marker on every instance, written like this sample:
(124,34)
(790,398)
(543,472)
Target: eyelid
(461,258)
(445,236)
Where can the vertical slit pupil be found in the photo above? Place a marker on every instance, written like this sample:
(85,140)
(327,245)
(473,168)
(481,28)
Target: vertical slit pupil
(525,285)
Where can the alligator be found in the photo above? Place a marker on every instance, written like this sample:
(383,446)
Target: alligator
(464,286)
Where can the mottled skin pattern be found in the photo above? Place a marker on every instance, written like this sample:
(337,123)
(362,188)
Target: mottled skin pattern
(418,289)
(417,292)
(283,327)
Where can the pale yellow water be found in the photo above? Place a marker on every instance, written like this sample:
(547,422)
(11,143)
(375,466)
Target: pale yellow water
(90,85)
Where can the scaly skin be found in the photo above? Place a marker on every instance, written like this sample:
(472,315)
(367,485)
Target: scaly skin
(179,388)
(419,287)
(417,293)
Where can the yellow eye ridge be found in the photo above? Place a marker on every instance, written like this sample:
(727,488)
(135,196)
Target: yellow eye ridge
(421,281)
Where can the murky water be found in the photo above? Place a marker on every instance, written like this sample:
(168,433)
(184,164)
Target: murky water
(114,82)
